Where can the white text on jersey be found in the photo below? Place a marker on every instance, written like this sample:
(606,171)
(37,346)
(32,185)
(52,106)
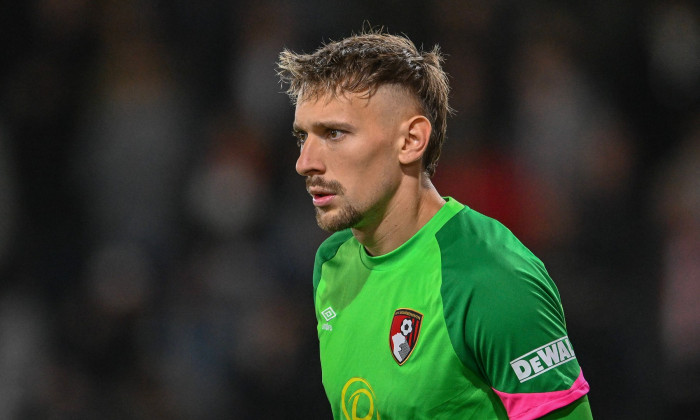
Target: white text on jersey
(542,359)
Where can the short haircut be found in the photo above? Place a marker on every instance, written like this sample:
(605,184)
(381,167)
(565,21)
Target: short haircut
(363,63)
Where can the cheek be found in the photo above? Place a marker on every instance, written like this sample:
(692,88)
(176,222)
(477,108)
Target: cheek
(366,171)
(373,177)
(377,161)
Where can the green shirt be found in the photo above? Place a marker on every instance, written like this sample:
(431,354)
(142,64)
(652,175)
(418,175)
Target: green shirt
(461,321)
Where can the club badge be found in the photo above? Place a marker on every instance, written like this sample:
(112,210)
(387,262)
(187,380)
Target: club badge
(404,333)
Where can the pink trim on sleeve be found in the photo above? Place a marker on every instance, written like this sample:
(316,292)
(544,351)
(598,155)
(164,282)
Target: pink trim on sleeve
(533,405)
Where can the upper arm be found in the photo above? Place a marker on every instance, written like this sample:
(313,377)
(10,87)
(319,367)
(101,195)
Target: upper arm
(516,338)
(506,322)
(577,410)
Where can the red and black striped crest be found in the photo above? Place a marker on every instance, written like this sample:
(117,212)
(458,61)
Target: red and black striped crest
(403,334)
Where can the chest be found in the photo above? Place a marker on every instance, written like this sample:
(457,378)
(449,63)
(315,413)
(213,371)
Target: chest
(385,347)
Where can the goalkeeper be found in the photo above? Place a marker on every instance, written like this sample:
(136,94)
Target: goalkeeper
(426,309)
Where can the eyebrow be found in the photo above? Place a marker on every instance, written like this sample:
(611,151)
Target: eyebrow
(325,125)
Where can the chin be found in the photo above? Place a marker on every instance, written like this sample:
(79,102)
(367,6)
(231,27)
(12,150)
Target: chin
(340,219)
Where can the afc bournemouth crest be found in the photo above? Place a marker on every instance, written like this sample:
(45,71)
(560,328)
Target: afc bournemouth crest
(404,333)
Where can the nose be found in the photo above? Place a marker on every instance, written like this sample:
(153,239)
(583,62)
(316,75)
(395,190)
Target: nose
(310,161)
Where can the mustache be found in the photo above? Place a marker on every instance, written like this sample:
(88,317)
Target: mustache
(331,186)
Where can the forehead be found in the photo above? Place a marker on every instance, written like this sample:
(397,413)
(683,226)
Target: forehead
(386,101)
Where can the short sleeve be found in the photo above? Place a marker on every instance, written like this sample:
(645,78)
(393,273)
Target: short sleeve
(506,321)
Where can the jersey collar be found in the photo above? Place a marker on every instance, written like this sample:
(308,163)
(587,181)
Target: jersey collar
(425,233)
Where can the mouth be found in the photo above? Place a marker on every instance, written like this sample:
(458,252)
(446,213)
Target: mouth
(323,192)
(322,198)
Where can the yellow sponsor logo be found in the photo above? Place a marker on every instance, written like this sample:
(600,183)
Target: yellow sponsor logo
(361,397)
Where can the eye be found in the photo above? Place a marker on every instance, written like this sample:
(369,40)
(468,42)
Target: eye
(334,134)
(300,136)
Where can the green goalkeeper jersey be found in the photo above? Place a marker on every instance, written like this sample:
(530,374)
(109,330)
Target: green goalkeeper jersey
(461,321)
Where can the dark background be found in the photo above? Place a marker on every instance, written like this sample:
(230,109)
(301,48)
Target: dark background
(156,245)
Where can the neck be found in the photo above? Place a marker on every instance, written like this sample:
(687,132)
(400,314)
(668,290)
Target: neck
(405,214)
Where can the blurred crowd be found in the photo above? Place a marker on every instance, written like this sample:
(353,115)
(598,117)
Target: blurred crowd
(156,245)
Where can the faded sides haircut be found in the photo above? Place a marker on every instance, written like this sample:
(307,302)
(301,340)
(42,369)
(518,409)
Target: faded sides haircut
(363,63)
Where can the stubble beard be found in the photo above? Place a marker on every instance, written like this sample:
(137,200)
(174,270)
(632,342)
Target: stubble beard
(348,216)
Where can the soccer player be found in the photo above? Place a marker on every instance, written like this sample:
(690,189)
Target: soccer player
(426,309)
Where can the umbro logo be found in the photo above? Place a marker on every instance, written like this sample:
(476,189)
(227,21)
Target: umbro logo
(328,313)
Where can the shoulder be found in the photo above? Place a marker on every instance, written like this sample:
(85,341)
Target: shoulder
(482,249)
(493,288)
(327,251)
(329,248)
(485,264)
(500,305)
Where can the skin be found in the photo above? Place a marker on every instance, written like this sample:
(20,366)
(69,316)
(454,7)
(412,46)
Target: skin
(361,157)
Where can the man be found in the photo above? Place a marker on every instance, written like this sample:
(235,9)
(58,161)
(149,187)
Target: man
(426,309)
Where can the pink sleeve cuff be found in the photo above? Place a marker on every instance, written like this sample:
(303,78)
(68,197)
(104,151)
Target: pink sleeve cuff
(533,405)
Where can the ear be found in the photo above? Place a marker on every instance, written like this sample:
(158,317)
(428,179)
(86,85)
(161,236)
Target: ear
(416,140)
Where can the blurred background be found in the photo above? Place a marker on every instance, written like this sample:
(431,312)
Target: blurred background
(156,245)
